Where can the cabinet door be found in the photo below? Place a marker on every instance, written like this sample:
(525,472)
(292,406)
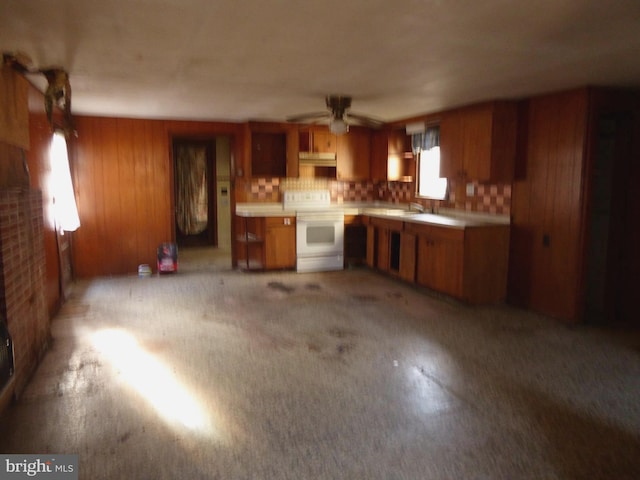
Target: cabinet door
(280,243)
(476,143)
(371,246)
(440,264)
(250,233)
(324,141)
(407,257)
(479,142)
(382,257)
(353,154)
(378,171)
(451,152)
(268,154)
(400,162)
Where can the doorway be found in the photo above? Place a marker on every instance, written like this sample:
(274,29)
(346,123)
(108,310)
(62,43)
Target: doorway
(194,192)
(610,265)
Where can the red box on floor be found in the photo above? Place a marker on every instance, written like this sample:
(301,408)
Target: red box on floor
(167,258)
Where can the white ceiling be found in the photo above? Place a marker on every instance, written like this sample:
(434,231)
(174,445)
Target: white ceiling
(267,59)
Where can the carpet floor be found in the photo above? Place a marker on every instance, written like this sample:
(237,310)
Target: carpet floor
(212,373)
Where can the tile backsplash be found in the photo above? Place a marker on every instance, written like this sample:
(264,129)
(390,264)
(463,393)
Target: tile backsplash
(486,198)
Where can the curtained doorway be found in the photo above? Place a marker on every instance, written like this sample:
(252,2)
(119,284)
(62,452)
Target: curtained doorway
(195,192)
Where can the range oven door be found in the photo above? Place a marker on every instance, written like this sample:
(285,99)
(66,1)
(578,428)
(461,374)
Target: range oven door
(320,241)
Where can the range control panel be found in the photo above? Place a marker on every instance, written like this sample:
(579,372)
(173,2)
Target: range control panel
(301,199)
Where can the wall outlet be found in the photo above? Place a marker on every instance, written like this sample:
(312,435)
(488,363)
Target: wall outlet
(471,189)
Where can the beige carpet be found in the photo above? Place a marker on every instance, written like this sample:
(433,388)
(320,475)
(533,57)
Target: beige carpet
(215,373)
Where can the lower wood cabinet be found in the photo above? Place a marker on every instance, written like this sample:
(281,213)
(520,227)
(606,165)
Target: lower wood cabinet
(249,242)
(390,249)
(469,264)
(441,259)
(355,240)
(407,264)
(466,263)
(280,242)
(264,243)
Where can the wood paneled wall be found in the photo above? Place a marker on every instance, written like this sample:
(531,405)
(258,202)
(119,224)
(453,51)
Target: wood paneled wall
(547,199)
(123,176)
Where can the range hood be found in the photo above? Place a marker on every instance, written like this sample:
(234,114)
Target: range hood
(317,159)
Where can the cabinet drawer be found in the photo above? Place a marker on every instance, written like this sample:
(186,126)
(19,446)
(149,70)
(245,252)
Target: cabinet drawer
(434,232)
(279,221)
(386,223)
(355,220)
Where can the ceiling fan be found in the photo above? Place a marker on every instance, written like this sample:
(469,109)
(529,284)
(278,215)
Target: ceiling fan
(337,115)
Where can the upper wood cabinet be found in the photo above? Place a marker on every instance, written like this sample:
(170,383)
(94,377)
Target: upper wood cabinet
(317,139)
(271,149)
(391,157)
(479,142)
(268,154)
(354,154)
(350,153)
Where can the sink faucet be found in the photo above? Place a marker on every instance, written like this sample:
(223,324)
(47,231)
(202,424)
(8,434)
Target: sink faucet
(417,207)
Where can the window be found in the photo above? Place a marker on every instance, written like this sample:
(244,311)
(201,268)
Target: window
(429,183)
(65,209)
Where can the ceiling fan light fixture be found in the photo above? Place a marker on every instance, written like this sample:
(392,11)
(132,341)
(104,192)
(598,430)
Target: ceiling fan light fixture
(338,126)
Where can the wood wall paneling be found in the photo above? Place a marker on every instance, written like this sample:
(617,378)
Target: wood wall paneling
(87,170)
(546,241)
(123,169)
(14,108)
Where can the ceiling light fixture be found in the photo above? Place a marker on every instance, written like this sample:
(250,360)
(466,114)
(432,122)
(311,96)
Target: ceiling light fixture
(338,126)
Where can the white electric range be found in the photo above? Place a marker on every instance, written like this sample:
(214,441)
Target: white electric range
(319,230)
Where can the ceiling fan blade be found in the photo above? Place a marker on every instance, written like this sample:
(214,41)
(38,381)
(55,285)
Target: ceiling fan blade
(307,117)
(364,120)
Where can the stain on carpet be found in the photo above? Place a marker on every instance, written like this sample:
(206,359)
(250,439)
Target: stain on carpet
(338,332)
(312,286)
(281,287)
(514,329)
(343,348)
(365,298)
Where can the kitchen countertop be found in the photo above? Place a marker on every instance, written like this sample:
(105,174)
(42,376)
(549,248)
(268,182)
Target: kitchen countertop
(450,218)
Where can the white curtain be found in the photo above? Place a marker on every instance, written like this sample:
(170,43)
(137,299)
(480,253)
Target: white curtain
(65,209)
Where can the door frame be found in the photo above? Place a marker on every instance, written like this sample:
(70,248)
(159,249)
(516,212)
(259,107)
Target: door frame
(210,143)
